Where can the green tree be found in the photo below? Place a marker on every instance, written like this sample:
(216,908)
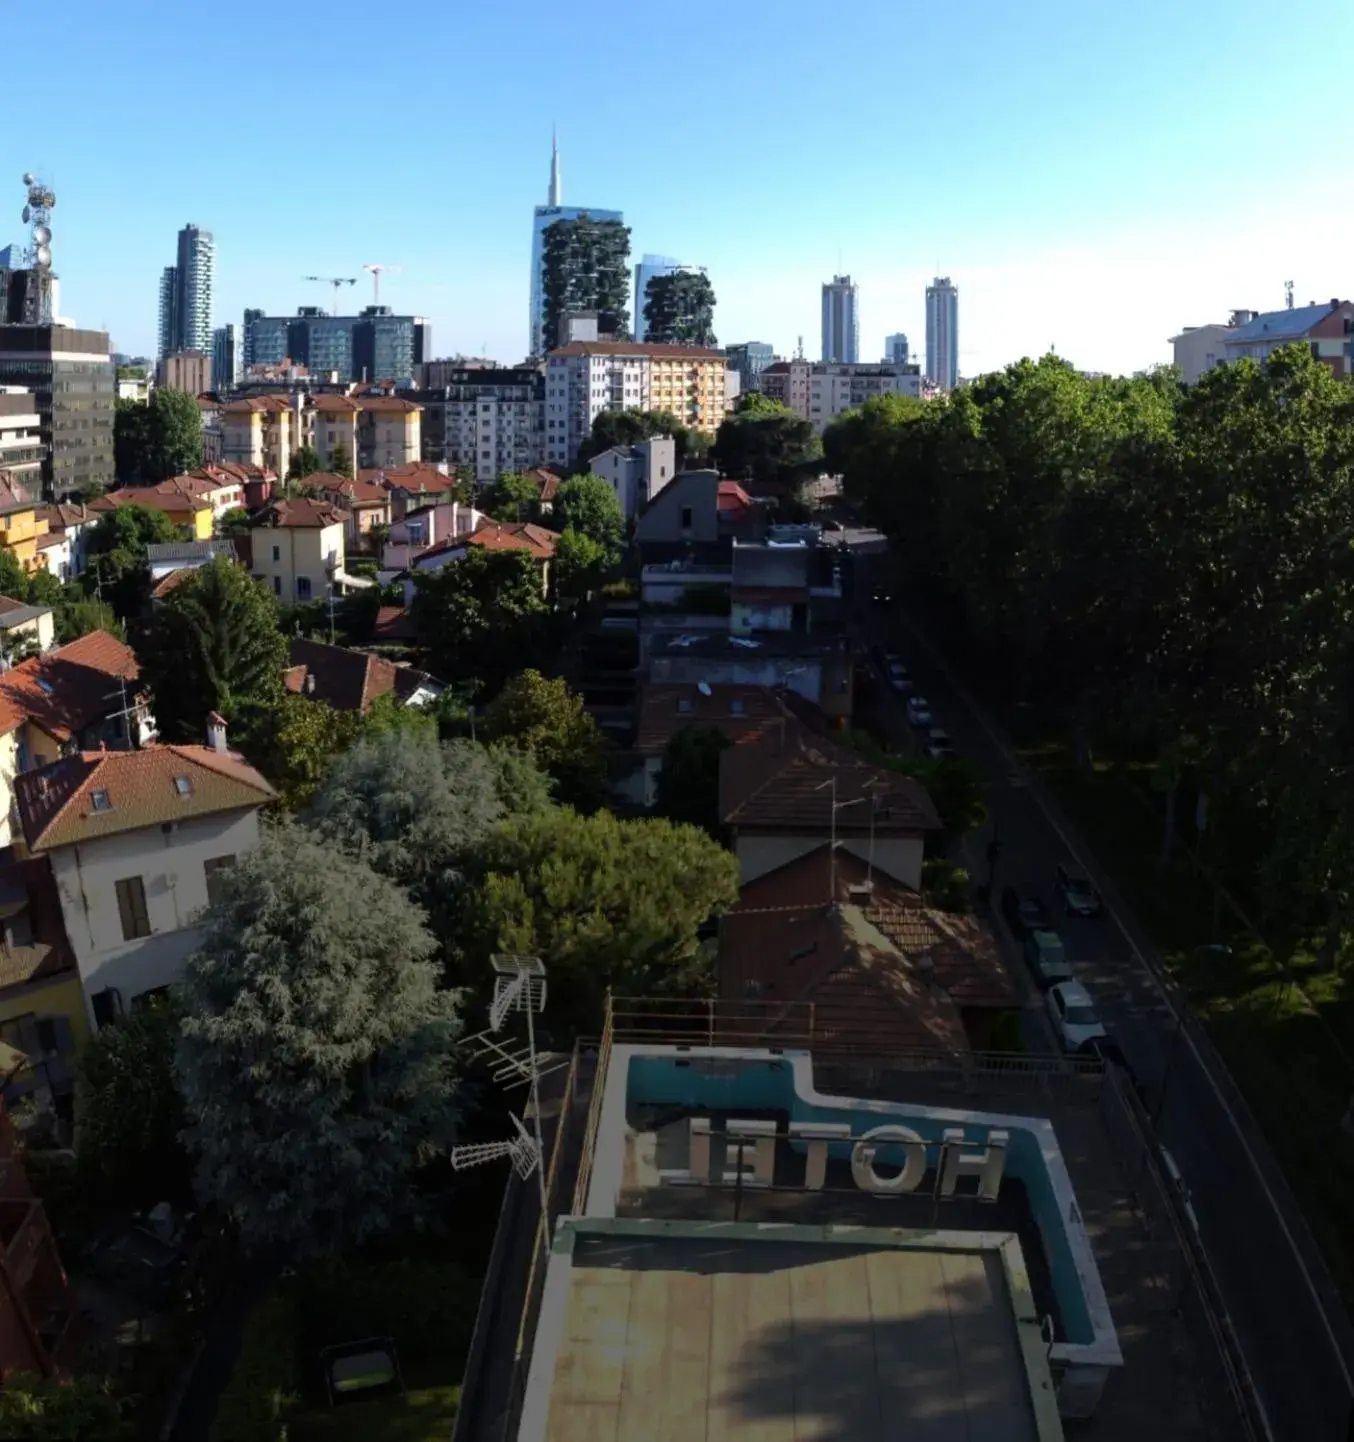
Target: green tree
(318,1051)
(214,645)
(340,460)
(115,563)
(585,265)
(688,783)
(513,497)
(77,615)
(542,717)
(13,580)
(588,505)
(305,461)
(580,563)
(628,428)
(679,309)
(44,589)
(605,903)
(234,522)
(305,736)
(765,441)
(481,617)
(131,440)
(173,435)
(53,1409)
(130,1113)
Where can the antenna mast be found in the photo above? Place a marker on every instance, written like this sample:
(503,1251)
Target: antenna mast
(1288,295)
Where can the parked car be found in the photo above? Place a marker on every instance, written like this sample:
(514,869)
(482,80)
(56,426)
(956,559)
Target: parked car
(1024,913)
(899,678)
(1080,898)
(1073,1014)
(1047,959)
(919,711)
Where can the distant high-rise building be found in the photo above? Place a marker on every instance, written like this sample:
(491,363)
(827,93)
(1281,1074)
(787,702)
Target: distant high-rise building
(895,349)
(373,346)
(251,318)
(543,217)
(942,333)
(585,268)
(225,357)
(748,359)
(186,294)
(648,267)
(11,257)
(681,304)
(841,321)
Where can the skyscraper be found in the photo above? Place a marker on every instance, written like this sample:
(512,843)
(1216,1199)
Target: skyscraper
(648,267)
(585,267)
(841,321)
(895,349)
(186,294)
(543,217)
(225,357)
(749,358)
(942,333)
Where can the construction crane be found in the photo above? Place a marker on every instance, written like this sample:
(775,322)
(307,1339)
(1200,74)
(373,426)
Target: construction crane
(376,268)
(336,281)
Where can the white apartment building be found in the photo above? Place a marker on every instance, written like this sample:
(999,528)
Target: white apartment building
(637,473)
(490,418)
(139,842)
(837,388)
(21,447)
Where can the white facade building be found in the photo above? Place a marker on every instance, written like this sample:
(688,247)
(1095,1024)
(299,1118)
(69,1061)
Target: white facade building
(491,419)
(837,388)
(841,320)
(942,333)
(637,473)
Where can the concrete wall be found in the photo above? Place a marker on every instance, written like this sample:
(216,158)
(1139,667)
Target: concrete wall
(662,521)
(170,865)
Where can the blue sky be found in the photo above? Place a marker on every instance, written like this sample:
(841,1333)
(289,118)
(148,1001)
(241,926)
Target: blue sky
(1092,176)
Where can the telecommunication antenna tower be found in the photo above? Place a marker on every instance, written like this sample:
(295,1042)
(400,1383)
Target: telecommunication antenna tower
(1288,295)
(377,268)
(519,985)
(36,307)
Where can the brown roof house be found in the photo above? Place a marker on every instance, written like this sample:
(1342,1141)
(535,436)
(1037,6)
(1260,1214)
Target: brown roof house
(140,842)
(784,792)
(352,680)
(523,536)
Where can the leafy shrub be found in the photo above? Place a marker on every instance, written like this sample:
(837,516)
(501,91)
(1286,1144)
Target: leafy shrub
(944,885)
(262,1389)
(43,1409)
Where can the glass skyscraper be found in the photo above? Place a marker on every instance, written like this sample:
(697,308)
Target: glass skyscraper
(841,321)
(373,346)
(749,359)
(648,267)
(942,333)
(895,349)
(186,294)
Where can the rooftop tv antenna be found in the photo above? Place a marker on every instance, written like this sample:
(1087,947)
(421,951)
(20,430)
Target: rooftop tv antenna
(1288,295)
(377,267)
(799,349)
(519,985)
(336,281)
(37,215)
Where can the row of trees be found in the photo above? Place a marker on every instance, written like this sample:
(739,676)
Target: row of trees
(1167,566)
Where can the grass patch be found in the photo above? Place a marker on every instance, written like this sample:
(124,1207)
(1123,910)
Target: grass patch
(422,1414)
(1285,1034)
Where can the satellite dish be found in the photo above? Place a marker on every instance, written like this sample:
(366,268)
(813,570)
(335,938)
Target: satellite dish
(28,214)
(704,688)
(44,255)
(30,178)
(42,235)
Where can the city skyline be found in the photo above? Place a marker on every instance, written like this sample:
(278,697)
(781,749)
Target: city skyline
(1101,238)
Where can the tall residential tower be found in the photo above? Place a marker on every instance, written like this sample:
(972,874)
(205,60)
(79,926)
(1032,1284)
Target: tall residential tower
(841,321)
(942,333)
(543,217)
(186,294)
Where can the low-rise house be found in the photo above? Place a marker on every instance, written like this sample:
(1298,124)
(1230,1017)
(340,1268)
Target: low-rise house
(54,555)
(389,431)
(412,487)
(298,548)
(21,521)
(785,791)
(882,971)
(425,527)
(367,502)
(25,628)
(73,522)
(637,473)
(697,516)
(547,485)
(171,562)
(524,536)
(186,509)
(82,695)
(139,842)
(351,680)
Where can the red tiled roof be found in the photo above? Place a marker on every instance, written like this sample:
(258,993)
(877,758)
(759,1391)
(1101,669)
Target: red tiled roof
(356,492)
(547,481)
(777,780)
(59,517)
(666,709)
(416,477)
(259,404)
(393,623)
(502,536)
(336,405)
(305,511)
(386,403)
(787,943)
(732,497)
(347,680)
(14,494)
(56,803)
(69,688)
(153,498)
(171,582)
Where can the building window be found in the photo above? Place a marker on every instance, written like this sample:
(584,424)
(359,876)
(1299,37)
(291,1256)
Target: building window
(277,585)
(215,869)
(132,908)
(303,588)
(183,785)
(685,520)
(107,1005)
(100,801)
(277,553)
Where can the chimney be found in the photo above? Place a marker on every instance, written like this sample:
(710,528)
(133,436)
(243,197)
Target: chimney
(216,732)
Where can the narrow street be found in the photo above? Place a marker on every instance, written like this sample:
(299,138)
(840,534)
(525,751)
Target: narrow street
(1294,1333)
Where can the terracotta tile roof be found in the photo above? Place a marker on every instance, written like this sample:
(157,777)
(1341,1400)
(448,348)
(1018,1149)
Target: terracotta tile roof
(334,405)
(59,517)
(777,780)
(69,688)
(58,804)
(389,404)
(52,538)
(349,680)
(227,471)
(416,477)
(355,492)
(785,944)
(548,483)
(638,348)
(393,623)
(171,582)
(152,498)
(514,536)
(8,604)
(305,511)
(732,497)
(15,495)
(666,709)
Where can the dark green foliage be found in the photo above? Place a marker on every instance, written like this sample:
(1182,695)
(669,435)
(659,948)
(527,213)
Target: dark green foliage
(49,1409)
(688,784)
(586,265)
(679,309)
(341,460)
(765,441)
(628,428)
(588,505)
(214,645)
(944,885)
(130,1113)
(264,1383)
(173,436)
(305,461)
(13,580)
(131,440)
(235,521)
(544,719)
(512,497)
(579,564)
(43,589)
(77,616)
(116,556)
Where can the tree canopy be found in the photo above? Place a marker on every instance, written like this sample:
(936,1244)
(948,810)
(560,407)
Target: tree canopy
(305,461)
(157,439)
(545,719)
(688,783)
(514,496)
(116,555)
(318,1055)
(214,645)
(765,441)
(588,505)
(628,428)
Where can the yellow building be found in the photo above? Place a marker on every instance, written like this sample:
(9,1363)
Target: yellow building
(299,549)
(335,424)
(389,431)
(688,381)
(265,431)
(20,524)
(186,509)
